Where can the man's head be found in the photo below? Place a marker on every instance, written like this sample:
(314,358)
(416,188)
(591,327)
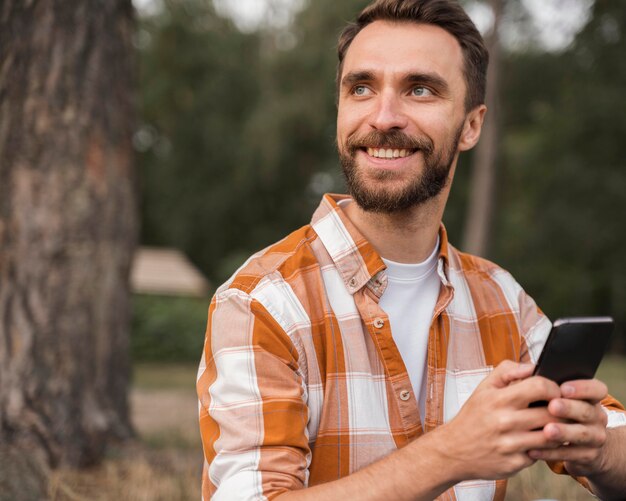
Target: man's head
(446,14)
(410,98)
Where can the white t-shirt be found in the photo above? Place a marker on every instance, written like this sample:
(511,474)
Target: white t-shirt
(409,300)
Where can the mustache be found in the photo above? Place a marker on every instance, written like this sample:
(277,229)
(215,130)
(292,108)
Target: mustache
(392,139)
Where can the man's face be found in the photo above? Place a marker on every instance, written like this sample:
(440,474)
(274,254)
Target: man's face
(401,119)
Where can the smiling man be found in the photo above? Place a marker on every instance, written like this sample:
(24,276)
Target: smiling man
(363,355)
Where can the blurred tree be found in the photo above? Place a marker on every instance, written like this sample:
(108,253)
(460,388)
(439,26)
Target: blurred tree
(67,232)
(478,225)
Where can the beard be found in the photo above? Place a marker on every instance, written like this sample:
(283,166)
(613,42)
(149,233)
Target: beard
(427,185)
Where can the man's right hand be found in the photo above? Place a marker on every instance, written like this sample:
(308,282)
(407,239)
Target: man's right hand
(492,433)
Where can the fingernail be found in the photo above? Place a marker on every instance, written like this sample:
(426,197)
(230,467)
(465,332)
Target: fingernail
(568,390)
(552,431)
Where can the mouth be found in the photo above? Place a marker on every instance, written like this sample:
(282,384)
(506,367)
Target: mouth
(389,152)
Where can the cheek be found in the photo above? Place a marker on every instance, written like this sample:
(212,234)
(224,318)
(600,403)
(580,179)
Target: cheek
(344,130)
(345,123)
(433,123)
(442,133)
(350,118)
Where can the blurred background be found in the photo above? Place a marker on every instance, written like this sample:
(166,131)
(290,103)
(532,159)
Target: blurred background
(237,109)
(232,129)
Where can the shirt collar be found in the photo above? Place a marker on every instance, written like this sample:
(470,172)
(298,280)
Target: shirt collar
(355,258)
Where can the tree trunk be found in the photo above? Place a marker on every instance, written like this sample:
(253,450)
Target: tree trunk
(67,228)
(482,189)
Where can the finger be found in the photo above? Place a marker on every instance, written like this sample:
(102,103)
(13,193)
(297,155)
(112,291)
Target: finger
(575,434)
(530,390)
(527,419)
(533,418)
(525,441)
(592,390)
(577,410)
(506,372)
(565,453)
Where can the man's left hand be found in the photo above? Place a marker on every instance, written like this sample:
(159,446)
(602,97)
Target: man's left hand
(580,439)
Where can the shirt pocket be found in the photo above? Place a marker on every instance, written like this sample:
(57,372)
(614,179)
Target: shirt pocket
(458,387)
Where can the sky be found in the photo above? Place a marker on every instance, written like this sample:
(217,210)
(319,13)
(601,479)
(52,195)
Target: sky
(555,22)
(249,14)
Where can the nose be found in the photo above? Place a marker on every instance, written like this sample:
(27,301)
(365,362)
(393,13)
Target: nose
(388,113)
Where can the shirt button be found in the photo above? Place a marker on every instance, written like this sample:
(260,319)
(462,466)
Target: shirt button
(405,395)
(379,323)
(352,282)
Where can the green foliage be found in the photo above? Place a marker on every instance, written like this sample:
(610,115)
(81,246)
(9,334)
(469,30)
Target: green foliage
(198,84)
(561,214)
(168,329)
(237,127)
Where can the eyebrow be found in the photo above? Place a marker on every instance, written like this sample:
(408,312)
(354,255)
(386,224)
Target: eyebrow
(355,77)
(430,79)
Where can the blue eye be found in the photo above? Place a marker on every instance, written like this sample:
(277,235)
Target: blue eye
(360,90)
(421,91)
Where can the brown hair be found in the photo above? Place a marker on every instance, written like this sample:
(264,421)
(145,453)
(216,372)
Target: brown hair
(448,15)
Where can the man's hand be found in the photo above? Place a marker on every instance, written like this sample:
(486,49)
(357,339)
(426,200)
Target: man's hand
(488,439)
(493,432)
(582,440)
(581,434)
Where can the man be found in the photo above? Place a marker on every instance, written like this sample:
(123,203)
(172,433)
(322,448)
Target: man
(363,356)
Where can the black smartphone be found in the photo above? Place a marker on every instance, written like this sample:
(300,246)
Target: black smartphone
(574,349)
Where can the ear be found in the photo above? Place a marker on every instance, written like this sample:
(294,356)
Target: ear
(472,127)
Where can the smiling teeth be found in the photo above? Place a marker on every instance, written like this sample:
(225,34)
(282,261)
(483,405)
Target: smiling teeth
(387,153)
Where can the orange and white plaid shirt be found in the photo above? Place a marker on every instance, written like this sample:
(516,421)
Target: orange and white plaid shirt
(301,383)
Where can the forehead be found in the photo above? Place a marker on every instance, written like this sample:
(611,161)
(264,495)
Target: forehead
(405,47)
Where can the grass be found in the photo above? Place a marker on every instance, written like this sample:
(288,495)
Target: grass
(136,473)
(165,462)
(171,376)
(613,372)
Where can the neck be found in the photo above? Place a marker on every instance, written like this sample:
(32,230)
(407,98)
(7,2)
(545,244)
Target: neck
(404,237)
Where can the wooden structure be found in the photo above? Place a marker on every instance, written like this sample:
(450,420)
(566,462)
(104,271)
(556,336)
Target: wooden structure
(167,272)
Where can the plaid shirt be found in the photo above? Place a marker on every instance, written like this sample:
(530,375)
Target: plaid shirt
(301,383)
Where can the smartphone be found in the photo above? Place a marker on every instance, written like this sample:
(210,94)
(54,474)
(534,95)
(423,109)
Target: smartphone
(574,348)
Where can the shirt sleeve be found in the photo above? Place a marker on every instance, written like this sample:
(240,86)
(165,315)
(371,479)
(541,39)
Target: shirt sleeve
(253,412)
(534,328)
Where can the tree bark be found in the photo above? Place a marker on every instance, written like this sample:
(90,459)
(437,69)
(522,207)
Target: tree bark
(478,224)
(67,228)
